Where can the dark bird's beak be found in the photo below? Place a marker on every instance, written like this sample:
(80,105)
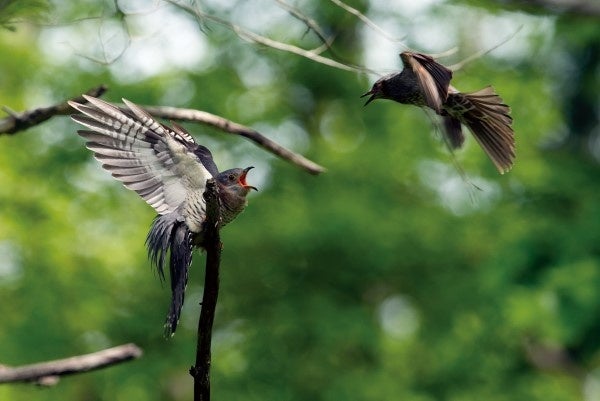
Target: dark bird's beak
(242,179)
(373,96)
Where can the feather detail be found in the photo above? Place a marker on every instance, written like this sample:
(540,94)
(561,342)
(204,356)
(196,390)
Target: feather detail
(434,78)
(488,118)
(159,163)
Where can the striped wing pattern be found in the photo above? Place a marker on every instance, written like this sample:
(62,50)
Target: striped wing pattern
(149,158)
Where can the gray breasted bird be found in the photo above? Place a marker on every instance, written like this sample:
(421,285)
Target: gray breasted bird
(425,83)
(169,170)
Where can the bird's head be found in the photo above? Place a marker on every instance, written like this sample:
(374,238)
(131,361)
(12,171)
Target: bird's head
(378,91)
(234,180)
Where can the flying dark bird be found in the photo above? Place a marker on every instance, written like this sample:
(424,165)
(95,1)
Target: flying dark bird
(169,170)
(425,83)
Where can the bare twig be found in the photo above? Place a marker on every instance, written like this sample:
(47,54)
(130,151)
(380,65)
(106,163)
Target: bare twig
(21,121)
(16,122)
(212,244)
(313,25)
(47,373)
(461,64)
(310,23)
(445,53)
(256,38)
(231,127)
(368,22)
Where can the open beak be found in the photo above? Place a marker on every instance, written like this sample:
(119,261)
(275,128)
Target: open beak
(369,100)
(242,179)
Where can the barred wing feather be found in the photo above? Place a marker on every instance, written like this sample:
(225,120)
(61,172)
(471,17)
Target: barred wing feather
(157,162)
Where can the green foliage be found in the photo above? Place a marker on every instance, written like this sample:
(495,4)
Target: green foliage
(388,277)
(15,11)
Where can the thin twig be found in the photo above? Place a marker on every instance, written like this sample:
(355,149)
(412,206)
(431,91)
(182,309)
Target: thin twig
(313,25)
(256,38)
(47,373)
(212,244)
(310,23)
(16,122)
(445,53)
(461,64)
(173,113)
(21,121)
(368,22)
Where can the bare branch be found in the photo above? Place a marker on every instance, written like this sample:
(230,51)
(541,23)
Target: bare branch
(256,38)
(445,53)
(309,54)
(16,122)
(47,373)
(368,22)
(310,23)
(212,244)
(172,113)
(461,64)
(21,121)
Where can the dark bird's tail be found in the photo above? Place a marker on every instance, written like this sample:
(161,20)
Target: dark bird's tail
(488,118)
(167,234)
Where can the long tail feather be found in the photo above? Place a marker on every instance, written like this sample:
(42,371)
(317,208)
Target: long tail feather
(488,118)
(453,132)
(170,236)
(181,259)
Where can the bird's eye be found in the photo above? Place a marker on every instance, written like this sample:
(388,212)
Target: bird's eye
(231,177)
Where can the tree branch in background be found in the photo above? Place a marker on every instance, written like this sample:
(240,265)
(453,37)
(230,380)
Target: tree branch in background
(212,244)
(585,8)
(16,122)
(263,40)
(310,23)
(462,63)
(368,22)
(48,373)
(22,121)
(173,113)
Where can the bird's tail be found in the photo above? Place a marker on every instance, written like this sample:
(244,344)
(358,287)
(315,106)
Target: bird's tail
(488,118)
(168,235)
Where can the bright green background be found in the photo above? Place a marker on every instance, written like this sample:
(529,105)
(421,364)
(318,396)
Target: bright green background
(387,278)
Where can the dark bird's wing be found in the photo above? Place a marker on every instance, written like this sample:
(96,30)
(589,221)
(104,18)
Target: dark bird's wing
(164,166)
(433,77)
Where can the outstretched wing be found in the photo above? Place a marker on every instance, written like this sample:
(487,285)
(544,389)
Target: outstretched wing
(163,165)
(433,77)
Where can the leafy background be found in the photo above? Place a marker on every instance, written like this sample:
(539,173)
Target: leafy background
(389,277)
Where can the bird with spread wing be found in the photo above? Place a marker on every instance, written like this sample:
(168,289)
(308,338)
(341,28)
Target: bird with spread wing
(426,83)
(169,170)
